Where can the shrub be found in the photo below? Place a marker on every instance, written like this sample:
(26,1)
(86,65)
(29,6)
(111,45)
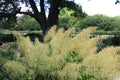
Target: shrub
(31,24)
(6,54)
(64,56)
(14,70)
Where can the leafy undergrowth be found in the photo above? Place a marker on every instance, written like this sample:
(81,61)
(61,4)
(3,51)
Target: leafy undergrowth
(63,56)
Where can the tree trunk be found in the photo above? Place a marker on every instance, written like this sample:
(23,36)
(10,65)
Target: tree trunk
(53,13)
(46,23)
(52,17)
(39,16)
(41,19)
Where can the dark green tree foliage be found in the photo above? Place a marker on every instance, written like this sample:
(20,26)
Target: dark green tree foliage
(7,22)
(116,22)
(7,19)
(31,24)
(27,23)
(102,22)
(9,8)
(20,22)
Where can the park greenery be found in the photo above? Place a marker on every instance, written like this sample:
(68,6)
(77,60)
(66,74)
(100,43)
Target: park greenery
(67,20)
(37,9)
(102,22)
(62,55)
(66,44)
(27,23)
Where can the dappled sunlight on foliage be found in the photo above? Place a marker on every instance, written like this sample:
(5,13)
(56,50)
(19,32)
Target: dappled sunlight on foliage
(64,55)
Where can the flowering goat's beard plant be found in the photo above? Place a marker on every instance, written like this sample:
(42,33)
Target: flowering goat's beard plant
(64,56)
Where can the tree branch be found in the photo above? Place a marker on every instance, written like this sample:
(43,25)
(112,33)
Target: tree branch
(27,13)
(42,6)
(33,6)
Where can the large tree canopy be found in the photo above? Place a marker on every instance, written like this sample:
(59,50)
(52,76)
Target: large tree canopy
(37,9)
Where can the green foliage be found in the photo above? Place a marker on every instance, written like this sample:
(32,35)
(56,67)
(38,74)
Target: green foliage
(112,41)
(102,32)
(102,22)
(65,12)
(15,70)
(6,50)
(20,22)
(31,24)
(68,19)
(116,22)
(10,8)
(8,22)
(6,37)
(6,54)
(64,56)
(27,23)
(64,18)
(70,4)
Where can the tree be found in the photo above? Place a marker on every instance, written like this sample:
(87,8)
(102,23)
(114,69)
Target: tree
(27,23)
(67,18)
(37,9)
(7,23)
(31,24)
(102,22)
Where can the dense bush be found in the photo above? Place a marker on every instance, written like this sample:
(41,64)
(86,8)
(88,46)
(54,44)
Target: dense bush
(63,56)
